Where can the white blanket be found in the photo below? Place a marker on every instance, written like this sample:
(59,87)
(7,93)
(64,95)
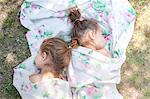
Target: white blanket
(91,74)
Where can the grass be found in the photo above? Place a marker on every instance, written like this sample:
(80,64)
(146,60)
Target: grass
(135,82)
(13,46)
(135,72)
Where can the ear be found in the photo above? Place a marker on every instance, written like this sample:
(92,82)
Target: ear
(91,35)
(44,56)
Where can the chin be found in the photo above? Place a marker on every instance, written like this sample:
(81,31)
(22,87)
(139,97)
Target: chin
(100,47)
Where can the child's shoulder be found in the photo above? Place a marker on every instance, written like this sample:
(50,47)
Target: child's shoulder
(59,81)
(105,52)
(35,78)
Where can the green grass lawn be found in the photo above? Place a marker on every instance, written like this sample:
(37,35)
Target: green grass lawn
(135,82)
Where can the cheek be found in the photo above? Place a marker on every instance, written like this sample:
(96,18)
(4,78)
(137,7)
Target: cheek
(100,42)
(38,62)
(103,41)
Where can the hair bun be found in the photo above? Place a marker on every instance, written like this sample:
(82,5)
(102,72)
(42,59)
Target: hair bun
(74,14)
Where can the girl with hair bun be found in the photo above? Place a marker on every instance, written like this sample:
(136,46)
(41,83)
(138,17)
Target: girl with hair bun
(88,72)
(86,33)
(49,82)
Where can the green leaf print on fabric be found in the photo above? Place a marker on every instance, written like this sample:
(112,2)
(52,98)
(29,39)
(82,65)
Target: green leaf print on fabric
(36,36)
(30,45)
(108,45)
(106,12)
(118,53)
(27,4)
(99,5)
(22,14)
(46,95)
(106,32)
(35,86)
(98,96)
(22,66)
(84,97)
(34,61)
(72,2)
(132,11)
(82,54)
(47,34)
(22,86)
(85,61)
(90,52)
(115,54)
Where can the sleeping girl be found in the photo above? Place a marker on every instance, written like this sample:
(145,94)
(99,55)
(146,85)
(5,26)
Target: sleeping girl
(90,72)
(48,81)
(87,33)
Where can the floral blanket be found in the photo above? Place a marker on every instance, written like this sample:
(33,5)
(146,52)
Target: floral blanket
(91,74)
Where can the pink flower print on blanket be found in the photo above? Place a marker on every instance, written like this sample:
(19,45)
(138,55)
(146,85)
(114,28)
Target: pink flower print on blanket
(73,81)
(36,37)
(26,87)
(108,38)
(130,14)
(34,7)
(91,90)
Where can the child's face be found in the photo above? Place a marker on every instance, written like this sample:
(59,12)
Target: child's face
(99,40)
(41,59)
